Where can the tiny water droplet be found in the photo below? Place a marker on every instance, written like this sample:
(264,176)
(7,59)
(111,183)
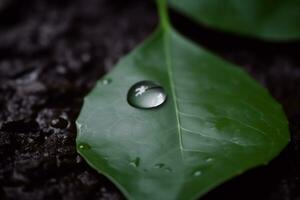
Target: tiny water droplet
(84,146)
(106,81)
(168,169)
(198,173)
(146,95)
(209,159)
(135,162)
(237,141)
(159,165)
(60,123)
(105,157)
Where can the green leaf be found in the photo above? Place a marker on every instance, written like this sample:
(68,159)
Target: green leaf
(216,123)
(265,19)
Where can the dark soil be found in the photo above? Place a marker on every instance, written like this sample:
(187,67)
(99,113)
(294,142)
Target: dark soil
(52,53)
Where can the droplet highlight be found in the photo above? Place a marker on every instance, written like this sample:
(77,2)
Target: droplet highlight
(146,95)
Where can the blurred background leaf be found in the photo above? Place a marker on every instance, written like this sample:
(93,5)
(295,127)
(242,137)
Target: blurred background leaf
(265,19)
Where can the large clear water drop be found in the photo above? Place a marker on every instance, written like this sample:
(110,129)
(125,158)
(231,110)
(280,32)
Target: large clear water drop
(146,95)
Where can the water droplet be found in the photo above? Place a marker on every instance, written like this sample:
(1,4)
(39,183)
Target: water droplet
(159,165)
(135,162)
(84,146)
(60,123)
(209,159)
(106,81)
(237,141)
(168,169)
(146,94)
(198,173)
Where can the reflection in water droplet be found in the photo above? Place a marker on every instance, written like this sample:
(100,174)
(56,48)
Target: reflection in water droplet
(59,123)
(198,173)
(146,94)
(159,165)
(135,162)
(106,81)
(84,146)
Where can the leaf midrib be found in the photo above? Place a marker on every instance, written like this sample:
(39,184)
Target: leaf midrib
(167,45)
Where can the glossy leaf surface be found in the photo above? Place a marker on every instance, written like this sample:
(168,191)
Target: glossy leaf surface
(266,19)
(216,123)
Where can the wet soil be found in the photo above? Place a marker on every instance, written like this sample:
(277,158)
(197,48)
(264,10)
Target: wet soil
(51,54)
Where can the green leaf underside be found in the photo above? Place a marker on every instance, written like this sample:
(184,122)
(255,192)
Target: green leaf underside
(266,19)
(216,123)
